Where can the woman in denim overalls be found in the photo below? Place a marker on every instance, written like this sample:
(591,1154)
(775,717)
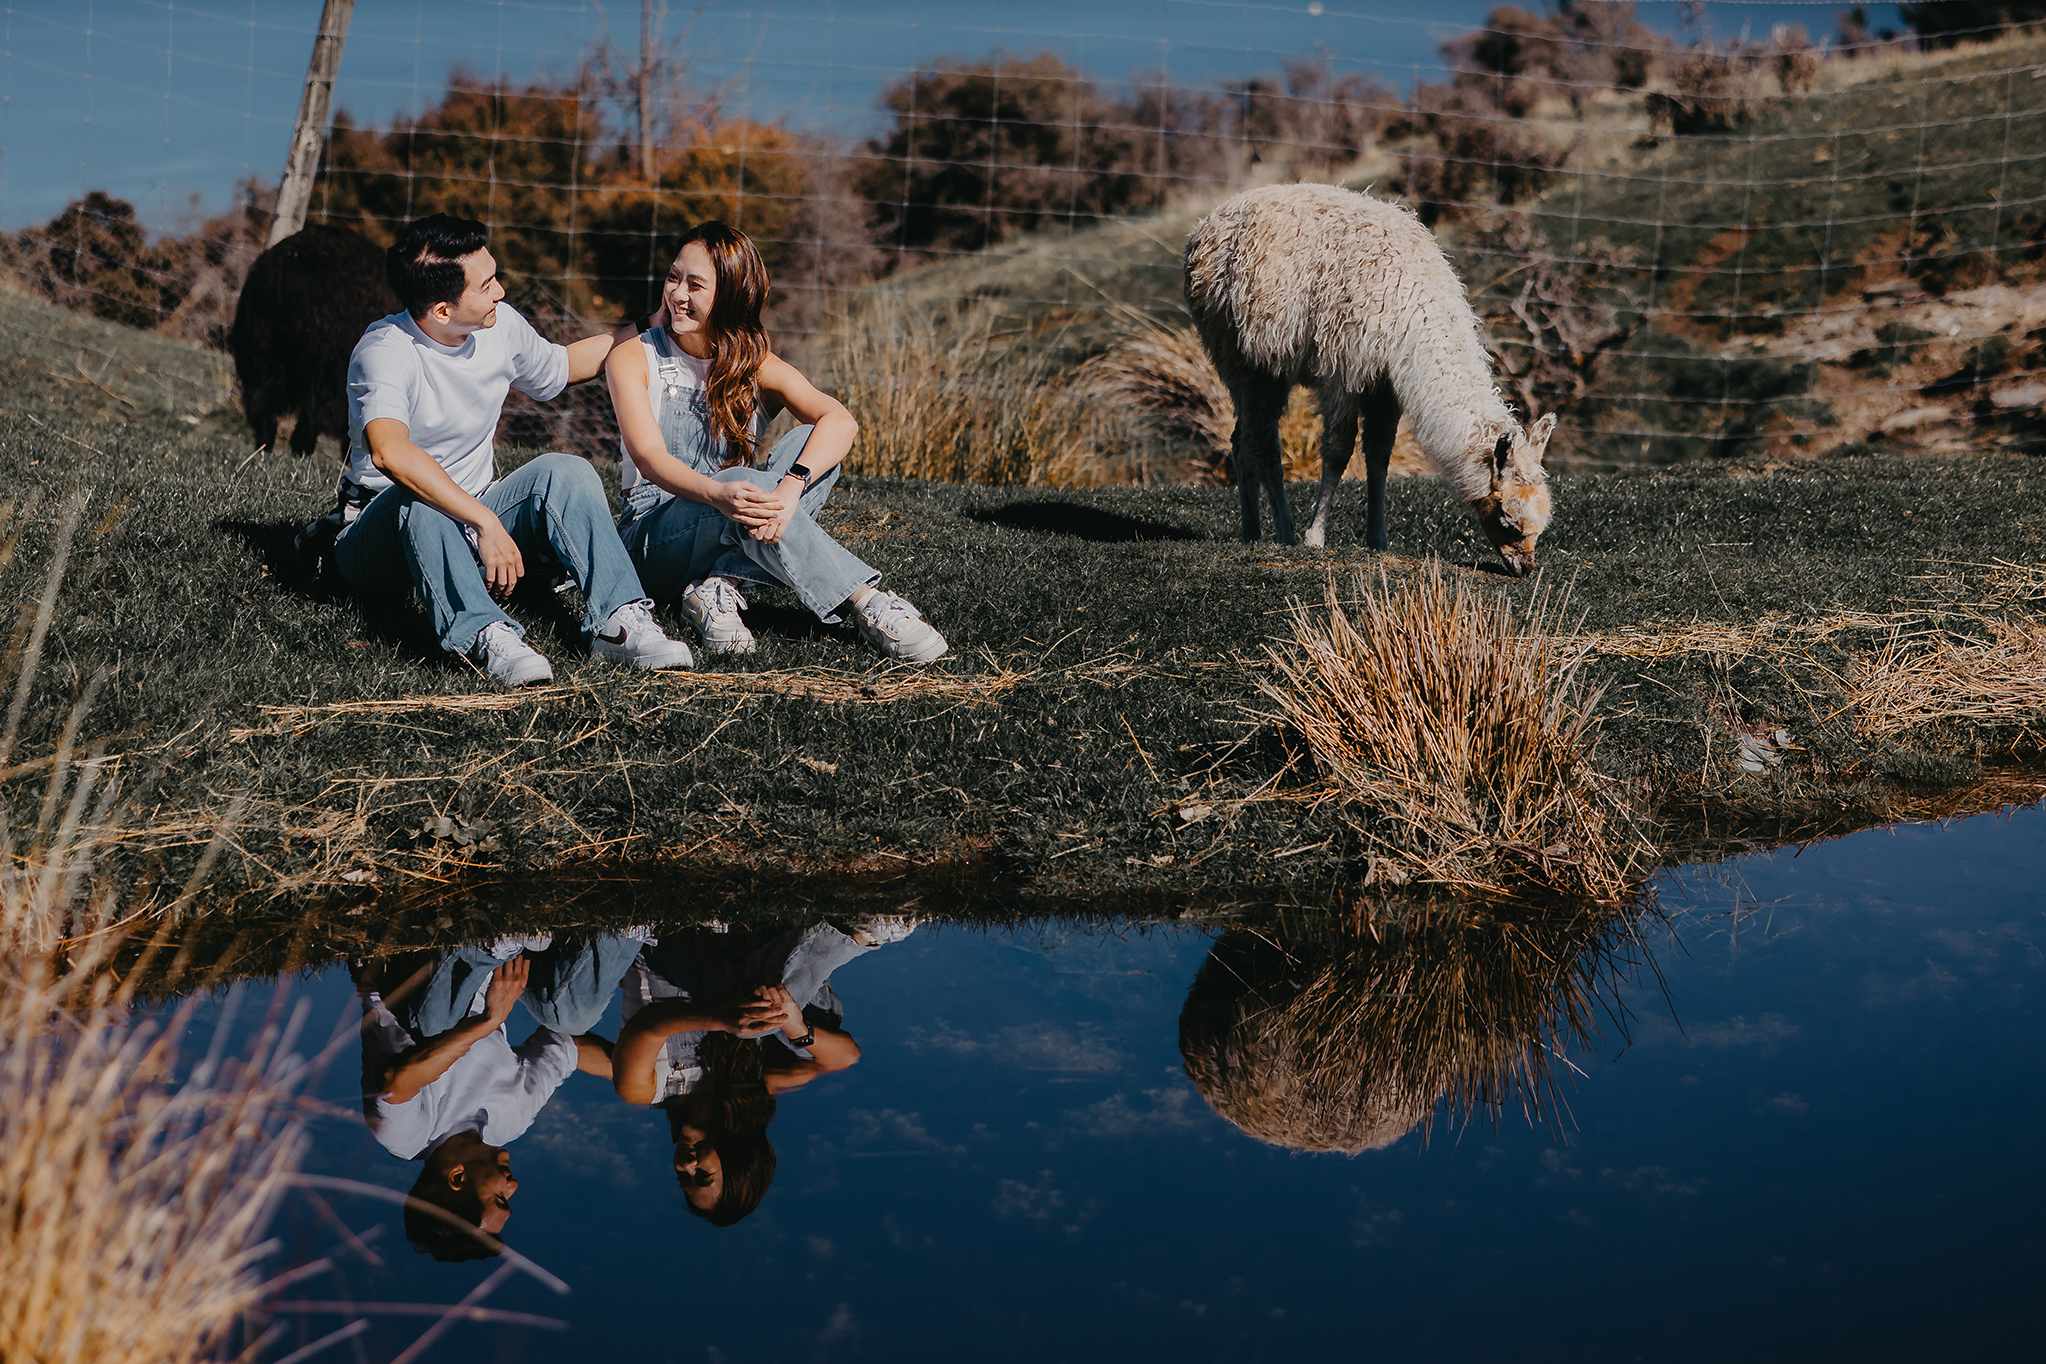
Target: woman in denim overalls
(698,521)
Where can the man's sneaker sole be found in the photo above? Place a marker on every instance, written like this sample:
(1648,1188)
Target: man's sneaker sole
(741,643)
(671,653)
(529,673)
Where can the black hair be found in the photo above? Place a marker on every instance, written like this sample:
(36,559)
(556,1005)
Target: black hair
(424,266)
(430,1219)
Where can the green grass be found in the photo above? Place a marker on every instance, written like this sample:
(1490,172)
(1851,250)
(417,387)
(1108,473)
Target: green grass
(1125,622)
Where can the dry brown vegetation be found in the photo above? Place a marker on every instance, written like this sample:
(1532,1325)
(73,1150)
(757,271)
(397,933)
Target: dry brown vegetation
(1343,1034)
(132,1200)
(1160,381)
(1457,734)
(132,1206)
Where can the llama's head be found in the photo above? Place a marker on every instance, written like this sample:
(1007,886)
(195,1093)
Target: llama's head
(1516,510)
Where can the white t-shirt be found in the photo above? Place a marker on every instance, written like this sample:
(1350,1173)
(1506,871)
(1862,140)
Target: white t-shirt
(449,397)
(494,1090)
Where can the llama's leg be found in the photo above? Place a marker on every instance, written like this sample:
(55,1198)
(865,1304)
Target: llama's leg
(1338,441)
(1259,405)
(1381,425)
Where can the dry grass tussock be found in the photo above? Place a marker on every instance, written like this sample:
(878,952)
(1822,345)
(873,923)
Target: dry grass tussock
(132,1203)
(948,394)
(1161,380)
(1460,739)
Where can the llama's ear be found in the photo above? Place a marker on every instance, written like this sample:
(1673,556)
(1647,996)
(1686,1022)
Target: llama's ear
(1538,438)
(1501,453)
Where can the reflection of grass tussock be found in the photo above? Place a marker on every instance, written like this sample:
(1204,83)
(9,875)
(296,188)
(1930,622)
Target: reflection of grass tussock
(131,1210)
(1460,739)
(1336,1037)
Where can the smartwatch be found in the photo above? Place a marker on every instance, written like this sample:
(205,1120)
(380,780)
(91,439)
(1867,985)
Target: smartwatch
(805,1040)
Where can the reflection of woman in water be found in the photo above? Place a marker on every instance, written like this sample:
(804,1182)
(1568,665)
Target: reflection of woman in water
(716,1026)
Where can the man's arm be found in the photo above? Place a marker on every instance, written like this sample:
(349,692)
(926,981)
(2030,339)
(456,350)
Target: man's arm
(593,1055)
(392,450)
(418,1067)
(586,357)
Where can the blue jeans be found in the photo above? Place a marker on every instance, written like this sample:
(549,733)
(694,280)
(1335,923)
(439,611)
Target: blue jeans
(676,542)
(802,961)
(554,505)
(568,990)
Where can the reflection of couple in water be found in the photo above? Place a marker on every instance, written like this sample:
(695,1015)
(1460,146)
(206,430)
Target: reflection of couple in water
(716,1025)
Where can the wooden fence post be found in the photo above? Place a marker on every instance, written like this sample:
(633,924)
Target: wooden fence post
(295,195)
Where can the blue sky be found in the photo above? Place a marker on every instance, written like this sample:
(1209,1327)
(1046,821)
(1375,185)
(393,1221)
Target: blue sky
(168,104)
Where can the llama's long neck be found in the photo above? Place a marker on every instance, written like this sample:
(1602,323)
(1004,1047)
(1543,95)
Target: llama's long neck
(1444,381)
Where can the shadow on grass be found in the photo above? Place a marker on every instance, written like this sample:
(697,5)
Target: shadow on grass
(1083,523)
(395,618)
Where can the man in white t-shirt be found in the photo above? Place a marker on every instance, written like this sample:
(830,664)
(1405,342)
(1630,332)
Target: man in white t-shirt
(425,389)
(443,1084)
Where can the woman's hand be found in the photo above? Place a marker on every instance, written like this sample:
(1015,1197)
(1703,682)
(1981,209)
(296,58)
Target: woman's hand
(788,498)
(745,505)
(754,1017)
(786,1012)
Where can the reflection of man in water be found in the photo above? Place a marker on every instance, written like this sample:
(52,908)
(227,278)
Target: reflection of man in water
(442,1082)
(716,1026)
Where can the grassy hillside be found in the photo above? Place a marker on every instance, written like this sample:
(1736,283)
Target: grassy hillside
(1096,737)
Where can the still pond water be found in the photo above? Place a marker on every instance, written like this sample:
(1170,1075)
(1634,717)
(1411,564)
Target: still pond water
(1812,1133)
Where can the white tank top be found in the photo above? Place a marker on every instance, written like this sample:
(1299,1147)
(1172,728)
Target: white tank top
(678,391)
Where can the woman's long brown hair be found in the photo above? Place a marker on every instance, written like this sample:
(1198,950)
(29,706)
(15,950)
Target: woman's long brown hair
(738,342)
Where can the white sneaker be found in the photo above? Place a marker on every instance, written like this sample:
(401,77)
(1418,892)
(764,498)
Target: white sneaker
(511,944)
(878,930)
(897,629)
(629,635)
(508,659)
(712,606)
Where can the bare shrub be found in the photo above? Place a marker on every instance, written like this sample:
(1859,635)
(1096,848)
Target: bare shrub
(1307,122)
(94,257)
(1469,154)
(1460,739)
(1564,316)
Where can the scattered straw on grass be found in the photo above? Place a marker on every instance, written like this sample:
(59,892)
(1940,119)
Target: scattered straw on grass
(1459,738)
(1919,679)
(679,688)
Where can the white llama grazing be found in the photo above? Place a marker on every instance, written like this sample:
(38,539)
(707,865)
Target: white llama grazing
(1312,284)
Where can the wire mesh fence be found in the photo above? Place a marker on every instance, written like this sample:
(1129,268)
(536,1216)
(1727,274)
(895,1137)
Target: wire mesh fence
(1816,234)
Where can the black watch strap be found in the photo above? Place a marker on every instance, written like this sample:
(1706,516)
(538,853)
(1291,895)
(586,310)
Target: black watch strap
(805,1040)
